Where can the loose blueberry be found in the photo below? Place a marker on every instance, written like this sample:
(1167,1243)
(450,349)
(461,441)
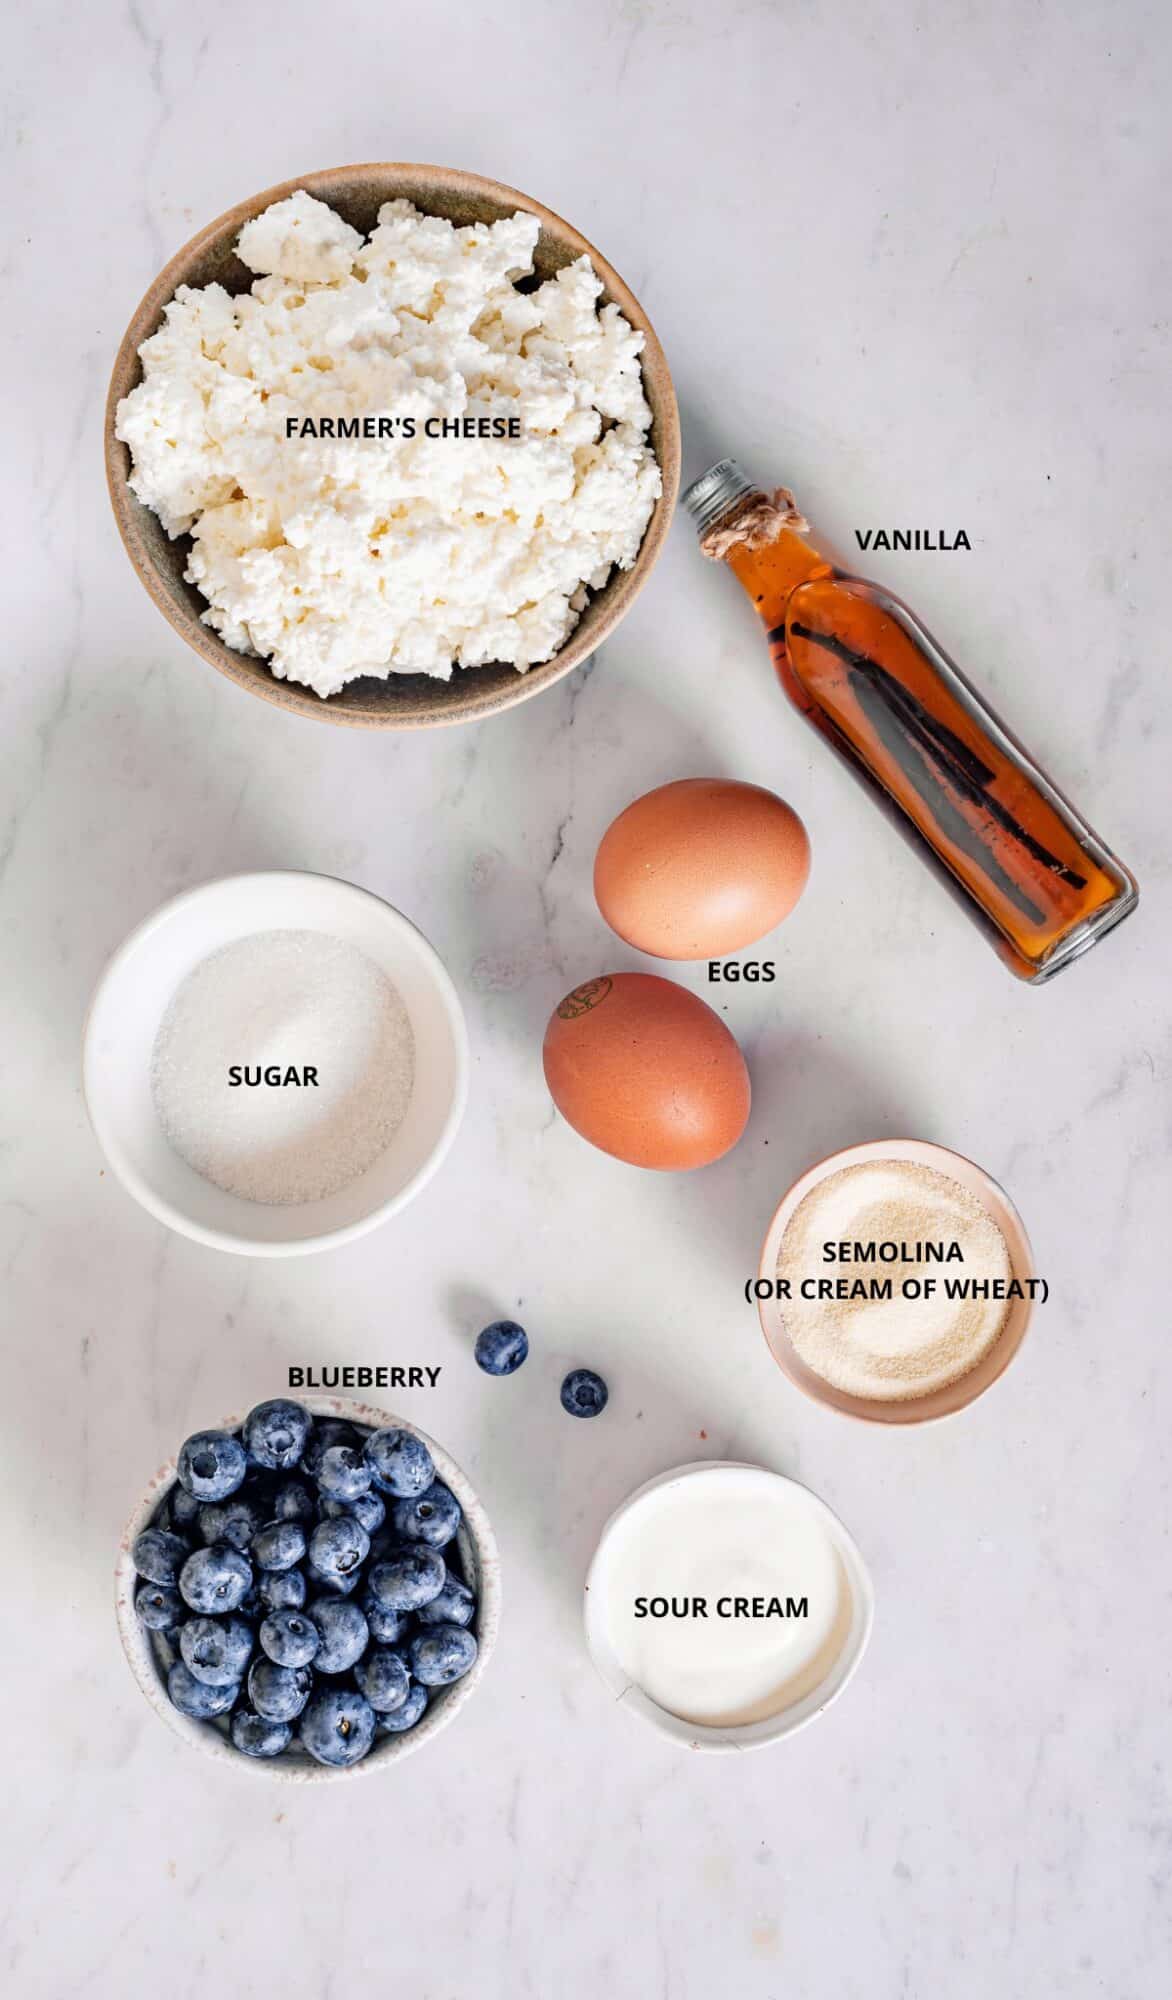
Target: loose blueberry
(441,1655)
(258,1735)
(290,1638)
(327,1431)
(338,1726)
(383,1678)
(455,1604)
(338,1548)
(396,1721)
(584,1394)
(278,1693)
(276,1434)
(212,1464)
(216,1650)
(216,1579)
(281,1590)
(432,1517)
(196,1698)
(400,1462)
(159,1556)
(409,1578)
(233,1521)
(385,1626)
(502,1347)
(280,1545)
(159,1607)
(294,1502)
(343,1632)
(369,1508)
(343,1473)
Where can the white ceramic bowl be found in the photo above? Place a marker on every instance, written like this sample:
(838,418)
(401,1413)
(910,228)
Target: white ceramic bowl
(953,1396)
(748,1736)
(481,1562)
(134,993)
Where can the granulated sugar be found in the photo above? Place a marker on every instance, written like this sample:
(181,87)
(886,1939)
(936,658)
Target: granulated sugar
(890,1222)
(290,1005)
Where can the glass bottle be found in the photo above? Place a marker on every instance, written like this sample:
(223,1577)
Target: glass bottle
(873,681)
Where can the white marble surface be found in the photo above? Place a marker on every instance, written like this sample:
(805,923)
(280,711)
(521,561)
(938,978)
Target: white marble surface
(914,261)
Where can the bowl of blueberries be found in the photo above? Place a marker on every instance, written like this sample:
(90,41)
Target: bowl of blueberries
(308,1591)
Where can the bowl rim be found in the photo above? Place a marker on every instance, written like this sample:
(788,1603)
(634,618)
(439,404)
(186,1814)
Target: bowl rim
(203,1736)
(216,1239)
(936,1404)
(291,695)
(788,1721)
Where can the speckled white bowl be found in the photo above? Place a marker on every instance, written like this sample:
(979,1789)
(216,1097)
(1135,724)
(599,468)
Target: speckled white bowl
(479,1557)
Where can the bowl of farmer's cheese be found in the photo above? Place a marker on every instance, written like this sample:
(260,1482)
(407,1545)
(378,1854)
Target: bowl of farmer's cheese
(392,445)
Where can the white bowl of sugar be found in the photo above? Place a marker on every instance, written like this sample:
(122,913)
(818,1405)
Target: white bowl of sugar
(275,1063)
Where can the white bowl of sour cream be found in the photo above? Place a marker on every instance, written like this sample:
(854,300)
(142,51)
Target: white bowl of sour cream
(726,1605)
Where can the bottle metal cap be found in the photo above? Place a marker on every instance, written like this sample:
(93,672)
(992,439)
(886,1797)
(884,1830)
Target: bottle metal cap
(715,491)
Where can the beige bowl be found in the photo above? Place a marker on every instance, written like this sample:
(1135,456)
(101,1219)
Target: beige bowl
(954,1395)
(403,701)
(478,1555)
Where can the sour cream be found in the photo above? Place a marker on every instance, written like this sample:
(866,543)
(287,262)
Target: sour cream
(723,1594)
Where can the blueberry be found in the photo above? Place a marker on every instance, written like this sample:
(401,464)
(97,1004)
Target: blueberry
(410,1578)
(276,1434)
(455,1604)
(584,1394)
(441,1655)
(383,1678)
(216,1579)
(343,1473)
(385,1626)
(432,1517)
(216,1650)
(278,1693)
(338,1548)
(369,1508)
(400,1462)
(258,1735)
(233,1521)
(281,1590)
(184,1507)
(196,1698)
(343,1632)
(280,1545)
(502,1347)
(294,1502)
(212,1464)
(334,1586)
(290,1638)
(327,1431)
(338,1726)
(159,1606)
(159,1556)
(397,1721)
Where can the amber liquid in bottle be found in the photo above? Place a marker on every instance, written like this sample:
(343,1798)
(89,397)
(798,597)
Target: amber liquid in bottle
(875,684)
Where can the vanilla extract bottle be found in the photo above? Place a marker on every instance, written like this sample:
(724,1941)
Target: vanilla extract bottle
(875,684)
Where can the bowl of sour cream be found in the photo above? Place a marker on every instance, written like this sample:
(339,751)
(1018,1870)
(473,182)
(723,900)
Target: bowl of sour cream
(726,1605)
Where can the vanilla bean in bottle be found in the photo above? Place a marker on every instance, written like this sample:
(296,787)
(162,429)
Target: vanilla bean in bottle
(874,682)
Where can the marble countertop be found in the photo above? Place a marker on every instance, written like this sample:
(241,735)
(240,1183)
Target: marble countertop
(913,261)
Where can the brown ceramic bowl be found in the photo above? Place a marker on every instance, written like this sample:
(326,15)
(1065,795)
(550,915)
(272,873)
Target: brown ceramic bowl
(403,701)
(943,1402)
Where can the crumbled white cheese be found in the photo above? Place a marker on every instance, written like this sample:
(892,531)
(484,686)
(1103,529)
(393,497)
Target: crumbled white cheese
(332,558)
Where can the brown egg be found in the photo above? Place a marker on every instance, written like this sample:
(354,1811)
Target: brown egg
(646,1071)
(701,868)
